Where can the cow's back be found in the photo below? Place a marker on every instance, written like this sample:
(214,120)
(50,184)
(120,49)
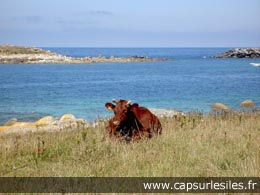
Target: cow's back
(148,120)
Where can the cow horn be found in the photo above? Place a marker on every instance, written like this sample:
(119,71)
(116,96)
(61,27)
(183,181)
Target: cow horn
(128,102)
(115,101)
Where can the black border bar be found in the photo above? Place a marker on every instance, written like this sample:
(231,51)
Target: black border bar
(129,184)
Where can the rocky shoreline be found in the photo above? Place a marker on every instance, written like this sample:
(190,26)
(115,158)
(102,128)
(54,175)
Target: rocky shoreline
(47,123)
(240,53)
(69,122)
(29,55)
(65,122)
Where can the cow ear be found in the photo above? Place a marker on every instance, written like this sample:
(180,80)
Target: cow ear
(110,106)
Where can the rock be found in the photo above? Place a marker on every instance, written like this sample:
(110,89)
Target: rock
(10,122)
(247,103)
(240,53)
(165,112)
(14,124)
(219,106)
(3,128)
(67,117)
(23,124)
(47,120)
(47,123)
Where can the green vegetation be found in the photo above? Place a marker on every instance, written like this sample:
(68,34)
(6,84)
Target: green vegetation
(10,49)
(192,145)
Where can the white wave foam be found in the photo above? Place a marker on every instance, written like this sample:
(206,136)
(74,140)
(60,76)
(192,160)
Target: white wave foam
(255,64)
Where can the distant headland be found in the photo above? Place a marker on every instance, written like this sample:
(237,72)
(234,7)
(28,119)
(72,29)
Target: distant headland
(10,54)
(240,53)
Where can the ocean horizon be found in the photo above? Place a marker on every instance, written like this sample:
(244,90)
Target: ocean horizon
(190,80)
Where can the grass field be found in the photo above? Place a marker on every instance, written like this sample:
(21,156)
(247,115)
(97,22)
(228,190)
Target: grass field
(191,145)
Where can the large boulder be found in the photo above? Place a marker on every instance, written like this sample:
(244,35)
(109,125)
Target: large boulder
(219,106)
(17,126)
(23,124)
(47,120)
(247,103)
(67,117)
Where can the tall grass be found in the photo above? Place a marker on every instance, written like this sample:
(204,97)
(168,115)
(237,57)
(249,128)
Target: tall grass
(192,145)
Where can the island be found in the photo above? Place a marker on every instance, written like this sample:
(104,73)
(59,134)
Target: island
(240,53)
(10,54)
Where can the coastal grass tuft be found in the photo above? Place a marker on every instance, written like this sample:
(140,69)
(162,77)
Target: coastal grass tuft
(191,145)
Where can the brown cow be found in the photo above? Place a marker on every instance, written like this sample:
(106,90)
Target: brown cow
(132,121)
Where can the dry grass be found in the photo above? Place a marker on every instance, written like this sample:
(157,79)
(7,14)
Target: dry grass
(192,145)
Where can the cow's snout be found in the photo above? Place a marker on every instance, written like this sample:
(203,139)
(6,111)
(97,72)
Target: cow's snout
(116,123)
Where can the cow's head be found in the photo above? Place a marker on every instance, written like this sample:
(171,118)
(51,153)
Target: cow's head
(121,109)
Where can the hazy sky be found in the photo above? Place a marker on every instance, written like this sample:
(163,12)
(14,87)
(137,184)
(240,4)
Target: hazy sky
(132,23)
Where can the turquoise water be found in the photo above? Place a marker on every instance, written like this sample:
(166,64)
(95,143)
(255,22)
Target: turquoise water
(189,80)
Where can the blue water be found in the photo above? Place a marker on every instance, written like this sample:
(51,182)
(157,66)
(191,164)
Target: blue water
(189,80)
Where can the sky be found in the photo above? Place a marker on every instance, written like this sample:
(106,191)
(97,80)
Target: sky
(130,23)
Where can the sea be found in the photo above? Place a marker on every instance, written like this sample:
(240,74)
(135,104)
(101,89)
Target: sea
(189,80)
